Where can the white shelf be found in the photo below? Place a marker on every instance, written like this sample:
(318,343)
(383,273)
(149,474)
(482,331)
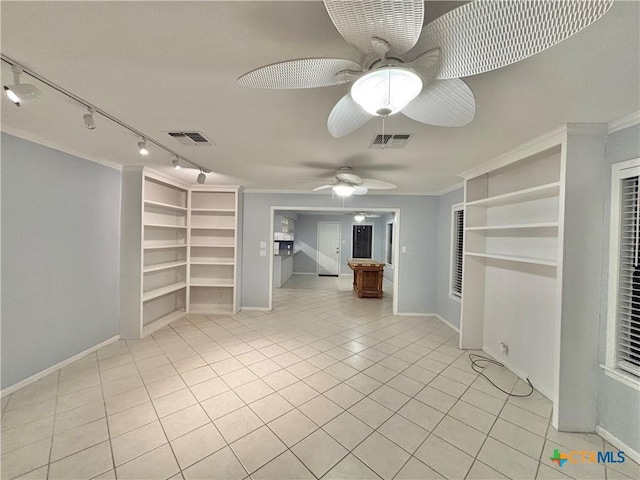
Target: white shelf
(214,210)
(211,262)
(168,206)
(168,245)
(511,258)
(212,228)
(158,292)
(526,226)
(211,246)
(534,193)
(160,225)
(211,282)
(162,321)
(164,266)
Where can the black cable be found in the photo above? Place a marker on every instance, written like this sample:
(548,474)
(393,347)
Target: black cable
(480,369)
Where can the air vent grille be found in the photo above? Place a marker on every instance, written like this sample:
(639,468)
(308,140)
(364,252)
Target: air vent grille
(392,140)
(191,138)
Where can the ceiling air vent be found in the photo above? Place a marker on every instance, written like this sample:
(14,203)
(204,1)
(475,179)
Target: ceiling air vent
(397,140)
(191,139)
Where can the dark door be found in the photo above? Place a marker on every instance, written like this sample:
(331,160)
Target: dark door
(362,241)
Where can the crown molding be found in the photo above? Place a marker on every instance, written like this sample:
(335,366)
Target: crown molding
(624,122)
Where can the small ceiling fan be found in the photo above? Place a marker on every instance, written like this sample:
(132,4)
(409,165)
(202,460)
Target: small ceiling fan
(348,183)
(361,216)
(414,70)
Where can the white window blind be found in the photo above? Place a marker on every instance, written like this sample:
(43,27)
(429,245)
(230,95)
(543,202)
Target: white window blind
(628,311)
(457,253)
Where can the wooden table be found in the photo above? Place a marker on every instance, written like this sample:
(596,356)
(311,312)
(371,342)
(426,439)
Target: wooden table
(367,277)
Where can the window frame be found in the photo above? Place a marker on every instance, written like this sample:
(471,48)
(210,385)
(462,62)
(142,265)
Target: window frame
(389,245)
(455,208)
(620,171)
(373,235)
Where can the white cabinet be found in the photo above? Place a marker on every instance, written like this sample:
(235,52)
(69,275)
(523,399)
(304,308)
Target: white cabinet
(533,220)
(178,251)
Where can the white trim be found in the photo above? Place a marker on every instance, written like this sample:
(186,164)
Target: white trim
(623,377)
(60,148)
(57,366)
(536,146)
(328,193)
(450,189)
(519,373)
(446,322)
(624,122)
(304,273)
(455,297)
(415,314)
(254,309)
(619,444)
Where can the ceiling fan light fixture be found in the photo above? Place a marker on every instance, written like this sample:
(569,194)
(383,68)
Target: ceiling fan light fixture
(386,91)
(343,189)
(359,217)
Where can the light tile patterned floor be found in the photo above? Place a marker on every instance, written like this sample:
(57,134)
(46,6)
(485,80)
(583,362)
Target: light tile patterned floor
(326,386)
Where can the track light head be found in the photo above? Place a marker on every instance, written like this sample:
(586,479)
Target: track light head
(201,177)
(88,120)
(20,93)
(142,148)
(176,163)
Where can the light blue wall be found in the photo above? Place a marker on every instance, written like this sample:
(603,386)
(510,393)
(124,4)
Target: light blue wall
(60,256)
(307,241)
(618,405)
(417,232)
(448,308)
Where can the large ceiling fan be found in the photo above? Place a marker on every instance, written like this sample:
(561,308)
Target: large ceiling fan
(414,70)
(347,183)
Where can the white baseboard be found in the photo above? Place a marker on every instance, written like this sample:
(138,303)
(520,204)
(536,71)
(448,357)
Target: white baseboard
(57,366)
(446,322)
(254,309)
(304,273)
(619,444)
(414,314)
(522,375)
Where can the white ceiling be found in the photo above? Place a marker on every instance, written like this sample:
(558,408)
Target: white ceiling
(161,66)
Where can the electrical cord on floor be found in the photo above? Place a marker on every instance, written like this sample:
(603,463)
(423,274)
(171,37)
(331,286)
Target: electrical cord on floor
(475,365)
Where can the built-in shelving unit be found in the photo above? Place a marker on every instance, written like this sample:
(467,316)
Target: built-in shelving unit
(213,253)
(179,251)
(531,247)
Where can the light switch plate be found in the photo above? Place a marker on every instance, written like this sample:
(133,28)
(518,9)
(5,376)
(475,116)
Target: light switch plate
(263,253)
(404,249)
(263,244)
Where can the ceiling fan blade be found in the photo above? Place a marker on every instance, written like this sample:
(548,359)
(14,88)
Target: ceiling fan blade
(444,103)
(372,215)
(302,73)
(360,190)
(485,35)
(397,22)
(323,187)
(376,184)
(346,117)
(345,174)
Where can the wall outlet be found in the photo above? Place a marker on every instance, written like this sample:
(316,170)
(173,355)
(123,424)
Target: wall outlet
(404,249)
(263,244)
(263,253)
(504,348)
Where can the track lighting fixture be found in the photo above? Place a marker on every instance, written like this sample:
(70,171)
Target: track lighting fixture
(142,148)
(176,163)
(20,93)
(88,120)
